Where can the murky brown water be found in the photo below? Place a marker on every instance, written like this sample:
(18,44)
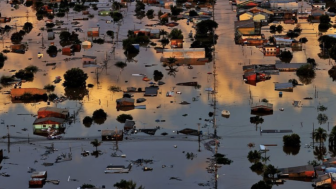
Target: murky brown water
(234,95)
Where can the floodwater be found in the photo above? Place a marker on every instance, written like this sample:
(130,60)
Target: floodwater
(233,95)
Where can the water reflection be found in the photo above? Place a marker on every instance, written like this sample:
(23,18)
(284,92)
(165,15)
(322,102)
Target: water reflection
(320,152)
(291,150)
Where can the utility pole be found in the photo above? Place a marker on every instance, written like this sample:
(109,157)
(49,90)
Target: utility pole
(8,140)
(116,138)
(199,137)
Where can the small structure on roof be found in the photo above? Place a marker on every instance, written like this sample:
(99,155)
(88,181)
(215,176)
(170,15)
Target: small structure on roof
(151,91)
(93,32)
(284,87)
(53,112)
(305,171)
(112,135)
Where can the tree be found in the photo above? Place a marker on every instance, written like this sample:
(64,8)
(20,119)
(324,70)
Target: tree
(325,19)
(110,33)
(157,75)
(49,88)
(65,36)
(175,10)
(320,152)
(116,16)
(164,41)
(75,77)
(262,185)
(294,82)
(193,13)
(123,184)
(272,28)
(95,143)
(87,121)
(279,28)
(99,116)
(292,34)
(52,51)
(332,73)
(171,63)
(306,74)
(292,140)
(221,159)
(122,118)
(3,58)
(254,156)
(140,6)
(322,118)
(206,26)
(16,38)
(303,40)
(257,167)
(332,52)
(320,135)
(311,61)
(31,68)
(120,65)
(270,171)
(256,120)
(27,27)
(150,14)
(176,34)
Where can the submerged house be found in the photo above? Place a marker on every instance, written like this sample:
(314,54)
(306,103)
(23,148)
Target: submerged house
(262,108)
(305,171)
(271,50)
(18,48)
(53,112)
(86,45)
(125,104)
(129,124)
(49,126)
(284,87)
(67,51)
(21,94)
(89,61)
(51,35)
(176,43)
(93,32)
(151,91)
(112,135)
(288,67)
(191,56)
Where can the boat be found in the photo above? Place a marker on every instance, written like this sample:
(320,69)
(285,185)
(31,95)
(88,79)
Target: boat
(308,98)
(281,109)
(118,168)
(188,84)
(184,103)
(51,64)
(226,113)
(146,79)
(139,100)
(161,83)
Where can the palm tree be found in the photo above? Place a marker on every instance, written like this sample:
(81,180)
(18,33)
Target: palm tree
(171,62)
(256,120)
(164,42)
(96,143)
(320,152)
(320,135)
(123,184)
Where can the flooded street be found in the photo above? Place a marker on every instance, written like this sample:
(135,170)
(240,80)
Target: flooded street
(233,95)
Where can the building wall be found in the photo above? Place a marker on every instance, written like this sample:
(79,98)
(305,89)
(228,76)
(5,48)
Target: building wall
(46,126)
(246,30)
(179,54)
(42,114)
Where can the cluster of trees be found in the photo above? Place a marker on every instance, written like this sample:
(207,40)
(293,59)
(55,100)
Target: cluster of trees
(286,56)
(27,73)
(306,74)
(67,38)
(324,22)
(274,28)
(3,58)
(130,50)
(98,116)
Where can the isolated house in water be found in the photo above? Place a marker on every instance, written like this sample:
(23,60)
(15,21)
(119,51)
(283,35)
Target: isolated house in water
(89,61)
(112,135)
(262,108)
(93,32)
(129,124)
(305,171)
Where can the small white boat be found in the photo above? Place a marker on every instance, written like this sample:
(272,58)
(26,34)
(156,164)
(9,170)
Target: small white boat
(226,113)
